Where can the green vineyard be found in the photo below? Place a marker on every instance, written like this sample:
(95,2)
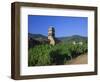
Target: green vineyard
(46,54)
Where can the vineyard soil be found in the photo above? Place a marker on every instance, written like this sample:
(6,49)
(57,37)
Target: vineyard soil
(82,59)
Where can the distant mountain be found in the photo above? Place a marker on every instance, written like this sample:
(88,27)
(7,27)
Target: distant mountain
(76,38)
(37,39)
(37,36)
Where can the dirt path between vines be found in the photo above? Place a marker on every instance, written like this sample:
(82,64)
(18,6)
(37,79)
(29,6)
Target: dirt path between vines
(82,59)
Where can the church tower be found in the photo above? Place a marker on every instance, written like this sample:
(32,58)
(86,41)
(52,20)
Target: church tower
(51,35)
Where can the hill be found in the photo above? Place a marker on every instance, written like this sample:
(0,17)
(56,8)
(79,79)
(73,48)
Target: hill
(37,36)
(37,39)
(76,38)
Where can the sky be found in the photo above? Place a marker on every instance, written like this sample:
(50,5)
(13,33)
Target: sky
(64,25)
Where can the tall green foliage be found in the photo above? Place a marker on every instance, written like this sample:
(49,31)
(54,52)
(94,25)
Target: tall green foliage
(46,54)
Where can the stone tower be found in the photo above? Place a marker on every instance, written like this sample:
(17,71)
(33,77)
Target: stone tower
(51,35)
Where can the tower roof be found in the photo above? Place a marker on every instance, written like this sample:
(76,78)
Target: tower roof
(51,28)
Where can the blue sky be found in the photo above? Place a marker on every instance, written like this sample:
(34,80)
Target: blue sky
(64,26)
